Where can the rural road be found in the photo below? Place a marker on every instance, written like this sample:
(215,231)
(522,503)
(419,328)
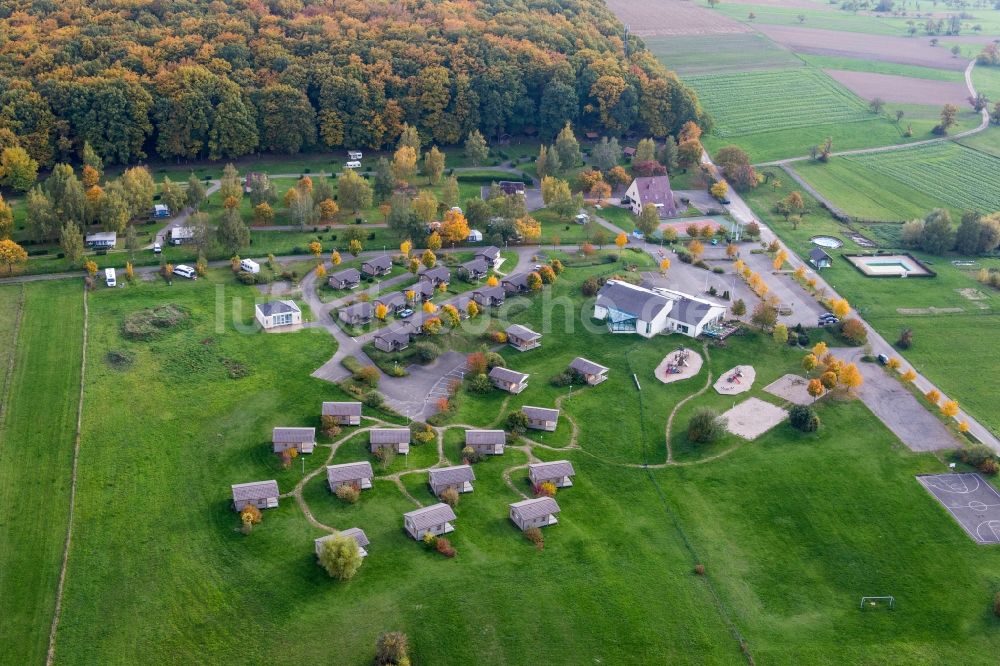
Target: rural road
(983,124)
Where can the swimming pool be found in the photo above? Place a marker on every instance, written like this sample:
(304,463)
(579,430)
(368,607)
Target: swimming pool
(827,241)
(895,265)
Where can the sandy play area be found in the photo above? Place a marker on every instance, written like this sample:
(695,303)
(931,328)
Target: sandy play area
(686,362)
(753,417)
(792,388)
(736,380)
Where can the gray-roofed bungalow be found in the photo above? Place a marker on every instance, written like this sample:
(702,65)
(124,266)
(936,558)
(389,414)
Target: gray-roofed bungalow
(101,239)
(437,276)
(355,533)
(541,418)
(558,472)
(488,442)
(523,338)
(422,290)
(359,313)
(261,494)
(538,512)
(395,301)
(302,440)
(392,339)
(274,314)
(819,258)
(508,380)
(397,438)
(357,474)
(490,254)
(349,278)
(515,284)
(434,519)
(377,266)
(459,477)
(489,296)
(474,270)
(591,372)
(343,413)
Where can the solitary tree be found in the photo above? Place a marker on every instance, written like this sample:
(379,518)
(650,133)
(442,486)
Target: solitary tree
(950,409)
(815,388)
(476,148)
(340,556)
(11,255)
(433,165)
(71,242)
(354,192)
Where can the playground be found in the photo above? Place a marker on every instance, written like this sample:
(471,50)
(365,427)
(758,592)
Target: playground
(682,363)
(792,388)
(753,417)
(735,381)
(971,501)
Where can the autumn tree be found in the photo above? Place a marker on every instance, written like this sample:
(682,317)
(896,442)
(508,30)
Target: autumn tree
(664,266)
(529,228)
(780,334)
(428,258)
(71,242)
(450,191)
(232,232)
(433,165)
(354,247)
(568,148)
(649,221)
(11,255)
(476,148)
(354,192)
(764,315)
(340,556)
(230,184)
(815,388)
(617,177)
(949,118)
(696,248)
(18,170)
(194,195)
(434,241)
(534,281)
(404,164)
(851,377)
(249,516)
(6,219)
(645,151)
(719,190)
(689,154)
(455,228)
(425,206)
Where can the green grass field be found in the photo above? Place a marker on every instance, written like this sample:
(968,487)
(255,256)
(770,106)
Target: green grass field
(784,525)
(879,67)
(987,141)
(36,451)
(714,54)
(947,172)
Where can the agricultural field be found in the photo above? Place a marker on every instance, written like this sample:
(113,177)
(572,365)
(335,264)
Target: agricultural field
(673,17)
(879,67)
(716,54)
(987,141)
(904,89)
(947,172)
(753,102)
(40,371)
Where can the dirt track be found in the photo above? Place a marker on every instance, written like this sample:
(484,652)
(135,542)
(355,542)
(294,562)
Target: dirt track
(903,50)
(903,89)
(653,18)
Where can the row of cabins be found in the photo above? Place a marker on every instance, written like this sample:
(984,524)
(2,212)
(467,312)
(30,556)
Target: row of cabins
(487,258)
(397,337)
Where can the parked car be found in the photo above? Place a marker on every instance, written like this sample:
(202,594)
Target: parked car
(828,321)
(403,314)
(882,359)
(185,271)
(109,277)
(156,248)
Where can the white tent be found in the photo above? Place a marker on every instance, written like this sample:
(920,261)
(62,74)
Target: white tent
(475,236)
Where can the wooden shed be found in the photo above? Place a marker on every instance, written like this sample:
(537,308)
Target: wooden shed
(398,438)
(435,519)
(508,380)
(261,494)
(357,474)
(343,413)
(541,418)
(302,440)
(523,338)
(459,477)
(486,442)
(559,472)
(538,512)
(591,372)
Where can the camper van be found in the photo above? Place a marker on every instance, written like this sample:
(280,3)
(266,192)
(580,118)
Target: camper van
(353,164)
(110,277)
(354,155)
(157,248)
(249,266)
(185,271)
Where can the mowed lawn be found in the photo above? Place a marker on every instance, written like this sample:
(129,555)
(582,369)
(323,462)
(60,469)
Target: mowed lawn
(690,55)
(36,451)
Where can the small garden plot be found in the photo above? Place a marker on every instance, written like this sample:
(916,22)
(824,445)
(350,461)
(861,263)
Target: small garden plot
(738,380)
(889,265)
(792,388)
(767,101)
(753,417)
(950,173)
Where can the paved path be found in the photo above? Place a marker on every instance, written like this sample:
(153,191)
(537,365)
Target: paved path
(983,124)
(181,218)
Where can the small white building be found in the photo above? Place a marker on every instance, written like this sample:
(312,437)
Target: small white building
(435,519)
(181,235)
(302,440)
(275,314)
(559,472)
(538,512)
(355,533)
(475,236)
(459,477)
(261,494)
(486,442)
(628,308)
(102,240)
(354,155)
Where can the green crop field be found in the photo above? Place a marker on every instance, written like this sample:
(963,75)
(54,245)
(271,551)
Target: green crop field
(879,67)
(776,99)
(36,450)
(987,141)
(949,173)
(711,54)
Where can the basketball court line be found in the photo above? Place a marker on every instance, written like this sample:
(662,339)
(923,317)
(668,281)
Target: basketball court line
(978,514)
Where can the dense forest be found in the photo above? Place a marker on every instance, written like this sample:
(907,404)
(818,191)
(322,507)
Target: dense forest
(186,79)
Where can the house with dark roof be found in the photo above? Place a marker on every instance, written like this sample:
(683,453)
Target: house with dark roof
(355,533)
(489,297)
(435,519)
(459,477)
(819,258)
(522,338)
(349,278)
(472,271)
(302,440)
(516,283)
(101,240)
(558,472)
(343,413)
(377,266)
(486,442)
(537,512)
(357,314)
(508,380)
(651,191)
(628,308)
(541,418)
(491,254)
(394,301)
(436,276)
(392,338)
(396,438)
(357,474)
(275,314)
(628,152)
(423,290)
(509,187)
(261,494)
(591,372)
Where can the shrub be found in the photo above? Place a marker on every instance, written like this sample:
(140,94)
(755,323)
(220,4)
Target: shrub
(989,466)
(444,547)
(545,489)
(804,418)
(853,331)
(610,258)
(996,604)
(153,322)
(373,399)
(347,493)
(498,337)
(494,360)
(476,363)
(517,422)
(534,535)
(705,426)
(246,278)
(392,648)
(470,455)
(422,433)
(426,351)
(975,454)
(329,426)
(590,287)
(385,455)
(480,384)
(564,378)
(699,569)
(450,497)
(905,339)
(367,374)
(119,359)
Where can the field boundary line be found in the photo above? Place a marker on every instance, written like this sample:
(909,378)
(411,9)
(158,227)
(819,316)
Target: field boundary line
(57,613)
(9,372)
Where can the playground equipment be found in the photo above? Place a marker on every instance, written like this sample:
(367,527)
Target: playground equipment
(679,360)
(735,377)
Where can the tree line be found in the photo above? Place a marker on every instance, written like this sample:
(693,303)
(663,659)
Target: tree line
(185,80)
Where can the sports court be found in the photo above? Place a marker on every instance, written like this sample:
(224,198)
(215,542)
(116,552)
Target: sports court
(973,502)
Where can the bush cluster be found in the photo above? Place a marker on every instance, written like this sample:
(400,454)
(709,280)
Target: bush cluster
(347,493)
(804,418)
